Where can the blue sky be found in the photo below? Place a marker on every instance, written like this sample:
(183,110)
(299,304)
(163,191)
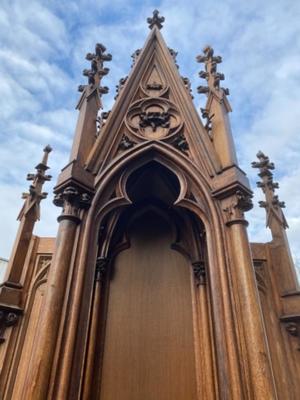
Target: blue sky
(42,55)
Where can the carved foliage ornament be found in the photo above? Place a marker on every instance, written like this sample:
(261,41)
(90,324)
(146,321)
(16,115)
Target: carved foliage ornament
(72,201)
(239,203)
(153,118)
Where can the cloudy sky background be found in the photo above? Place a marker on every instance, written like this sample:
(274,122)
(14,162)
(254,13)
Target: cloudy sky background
(42,54)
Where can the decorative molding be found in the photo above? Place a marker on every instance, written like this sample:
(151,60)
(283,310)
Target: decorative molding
(155,20)
(72,201)
(8,317)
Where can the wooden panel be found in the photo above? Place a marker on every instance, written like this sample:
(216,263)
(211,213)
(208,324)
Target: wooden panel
(149,346)
(29,340)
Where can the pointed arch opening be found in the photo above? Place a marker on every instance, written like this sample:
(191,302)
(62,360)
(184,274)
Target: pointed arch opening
(151,270)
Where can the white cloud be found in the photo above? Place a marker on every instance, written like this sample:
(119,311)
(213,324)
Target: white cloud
(42,57)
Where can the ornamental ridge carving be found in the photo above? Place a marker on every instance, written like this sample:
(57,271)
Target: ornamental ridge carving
(72,201)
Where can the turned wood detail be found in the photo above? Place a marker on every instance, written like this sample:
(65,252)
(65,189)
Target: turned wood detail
(72,200)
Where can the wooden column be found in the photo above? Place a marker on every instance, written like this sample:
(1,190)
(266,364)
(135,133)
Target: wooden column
(37,381)
(256,370)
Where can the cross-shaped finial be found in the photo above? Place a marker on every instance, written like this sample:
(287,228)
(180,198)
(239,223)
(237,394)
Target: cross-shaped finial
(156,20)
(35,194)
(272,204)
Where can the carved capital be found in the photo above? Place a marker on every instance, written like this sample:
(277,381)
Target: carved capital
(72,201)
(8,317)
(240,202)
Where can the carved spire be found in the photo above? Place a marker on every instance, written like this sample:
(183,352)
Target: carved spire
(155,20)
(97,70)
(35,195)
(272,204)
(210,74)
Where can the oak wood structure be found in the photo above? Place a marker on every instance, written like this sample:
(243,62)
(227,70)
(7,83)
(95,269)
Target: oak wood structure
(151,289)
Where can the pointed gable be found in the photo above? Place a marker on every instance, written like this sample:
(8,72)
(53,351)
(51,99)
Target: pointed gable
(154,104)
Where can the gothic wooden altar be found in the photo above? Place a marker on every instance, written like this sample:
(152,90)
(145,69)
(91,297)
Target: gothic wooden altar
(151,289)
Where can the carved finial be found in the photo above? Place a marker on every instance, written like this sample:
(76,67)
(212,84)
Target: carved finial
(155,20)
(97,70)
(210,74)
(272,204)
(35,195)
